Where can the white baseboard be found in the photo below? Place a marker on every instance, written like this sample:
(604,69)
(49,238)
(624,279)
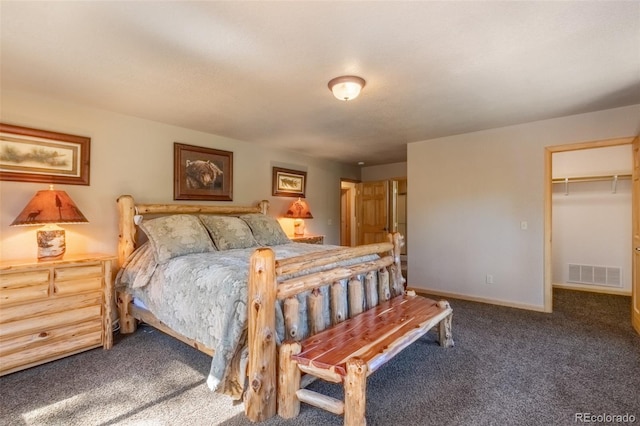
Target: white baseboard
(592,289)
(479,299)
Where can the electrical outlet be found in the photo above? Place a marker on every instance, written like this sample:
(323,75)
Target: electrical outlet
(489,279)
(330,222)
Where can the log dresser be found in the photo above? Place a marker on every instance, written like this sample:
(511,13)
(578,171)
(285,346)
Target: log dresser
(53,309)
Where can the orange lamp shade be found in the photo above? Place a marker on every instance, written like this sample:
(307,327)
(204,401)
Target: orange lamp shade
(299,210)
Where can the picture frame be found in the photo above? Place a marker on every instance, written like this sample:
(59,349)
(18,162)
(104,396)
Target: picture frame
(33,155)
(289,183)
(202,173)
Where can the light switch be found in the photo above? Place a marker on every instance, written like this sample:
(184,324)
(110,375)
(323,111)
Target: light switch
(524,225)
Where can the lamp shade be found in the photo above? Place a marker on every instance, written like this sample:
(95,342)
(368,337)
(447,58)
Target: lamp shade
(347,87)
(50,207)
(299,209)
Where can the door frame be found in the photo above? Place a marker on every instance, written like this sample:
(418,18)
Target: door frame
(351,207)
(548,201)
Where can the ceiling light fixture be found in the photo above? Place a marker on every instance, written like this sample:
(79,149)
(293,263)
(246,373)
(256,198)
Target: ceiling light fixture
(346,87)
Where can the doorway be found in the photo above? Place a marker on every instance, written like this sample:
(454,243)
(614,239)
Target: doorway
(548,203)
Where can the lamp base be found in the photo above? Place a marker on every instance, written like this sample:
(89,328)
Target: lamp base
(298,227)
(51,243)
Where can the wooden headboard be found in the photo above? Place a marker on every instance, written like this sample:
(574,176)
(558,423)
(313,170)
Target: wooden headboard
(128,210)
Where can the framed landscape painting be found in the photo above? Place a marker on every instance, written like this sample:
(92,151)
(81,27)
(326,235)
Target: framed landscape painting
(202,173)
(289,183)
(32,155)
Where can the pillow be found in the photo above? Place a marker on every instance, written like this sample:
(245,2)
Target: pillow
(176,235)
(228,232)
(266,229)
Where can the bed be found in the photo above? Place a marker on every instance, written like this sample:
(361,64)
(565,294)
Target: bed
(227,281)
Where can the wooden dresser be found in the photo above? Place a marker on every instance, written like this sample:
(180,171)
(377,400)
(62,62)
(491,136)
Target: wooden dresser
(53,309)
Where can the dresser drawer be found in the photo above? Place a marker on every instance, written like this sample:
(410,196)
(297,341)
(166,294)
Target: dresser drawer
(48,336)
(61,288)
(48,351)
(18,320)
(17,287)
(78,272)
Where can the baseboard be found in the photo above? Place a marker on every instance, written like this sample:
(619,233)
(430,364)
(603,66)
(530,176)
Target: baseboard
(498,302)
(590,289)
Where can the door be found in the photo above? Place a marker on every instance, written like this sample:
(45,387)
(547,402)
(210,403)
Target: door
(372,212)
(635,203)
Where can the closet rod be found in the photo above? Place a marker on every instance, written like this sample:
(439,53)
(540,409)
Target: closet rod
(591,178)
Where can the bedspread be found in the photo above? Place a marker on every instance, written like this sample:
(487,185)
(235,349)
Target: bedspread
(203,296)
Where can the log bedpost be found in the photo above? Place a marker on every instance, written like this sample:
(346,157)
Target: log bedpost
(127,228)
(398,281)
(127,322)
(355,393)
(264,206)
(288,381)
(260,397)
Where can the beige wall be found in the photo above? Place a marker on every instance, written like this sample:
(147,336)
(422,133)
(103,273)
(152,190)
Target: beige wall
(469,195)
(384,172)
(133,156)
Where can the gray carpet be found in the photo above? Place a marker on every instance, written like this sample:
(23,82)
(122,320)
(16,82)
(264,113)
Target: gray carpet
(508,367)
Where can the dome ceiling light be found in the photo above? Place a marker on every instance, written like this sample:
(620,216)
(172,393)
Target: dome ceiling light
(346,87)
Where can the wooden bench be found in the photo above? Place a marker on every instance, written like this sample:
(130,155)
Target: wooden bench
(350,351)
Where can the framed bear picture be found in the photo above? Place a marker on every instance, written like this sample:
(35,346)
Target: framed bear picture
(202,173)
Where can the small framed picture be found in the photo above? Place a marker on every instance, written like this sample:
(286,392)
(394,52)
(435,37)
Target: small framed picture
(32,155)
(289,183)
(202,173)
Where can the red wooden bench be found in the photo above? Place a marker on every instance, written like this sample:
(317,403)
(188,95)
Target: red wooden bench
(350,351)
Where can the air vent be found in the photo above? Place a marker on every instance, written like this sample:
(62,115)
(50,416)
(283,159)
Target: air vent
(609,276)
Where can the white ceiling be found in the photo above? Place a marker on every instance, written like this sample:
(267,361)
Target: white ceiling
(258,71)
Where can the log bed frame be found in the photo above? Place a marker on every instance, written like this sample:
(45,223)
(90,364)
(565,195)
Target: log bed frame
(353,346)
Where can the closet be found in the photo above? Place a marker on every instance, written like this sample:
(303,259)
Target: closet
(591,223)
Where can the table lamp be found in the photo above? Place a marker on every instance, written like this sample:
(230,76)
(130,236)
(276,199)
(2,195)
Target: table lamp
(299,210)
(50,208)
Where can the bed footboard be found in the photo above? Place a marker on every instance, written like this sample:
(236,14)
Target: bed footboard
(367,284)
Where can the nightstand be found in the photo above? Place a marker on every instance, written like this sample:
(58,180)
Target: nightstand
(309,239)
(53,309)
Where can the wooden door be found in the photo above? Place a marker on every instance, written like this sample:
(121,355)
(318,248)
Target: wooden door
(372,212)
(635,204)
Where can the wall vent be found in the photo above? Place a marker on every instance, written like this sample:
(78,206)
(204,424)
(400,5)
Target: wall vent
(608,276)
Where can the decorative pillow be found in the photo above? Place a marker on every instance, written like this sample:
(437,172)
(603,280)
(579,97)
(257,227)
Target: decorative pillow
(228,232)
(266,229)
(176,235)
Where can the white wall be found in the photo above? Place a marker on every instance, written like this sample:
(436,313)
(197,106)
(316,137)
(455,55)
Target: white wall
(135,156)
(591,224)
(469,195)
(384,172)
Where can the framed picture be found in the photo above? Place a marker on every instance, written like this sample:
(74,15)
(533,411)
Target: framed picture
(31,155)
(202,173)
(289,183)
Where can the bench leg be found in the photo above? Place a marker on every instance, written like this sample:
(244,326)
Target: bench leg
(444,332)
(289,381)
(355,393)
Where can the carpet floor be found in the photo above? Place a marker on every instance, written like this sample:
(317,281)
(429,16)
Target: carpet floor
(508,367)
